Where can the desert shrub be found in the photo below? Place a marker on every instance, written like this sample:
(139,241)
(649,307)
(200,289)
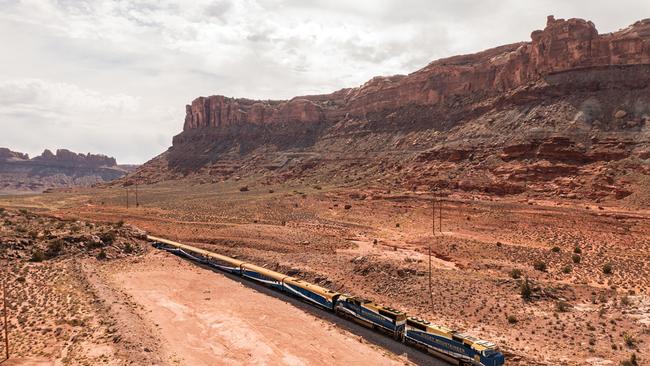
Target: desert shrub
(556,249)
(526,290)
(540,266)
(631,362)
(629,340)
(347,207)
(128,248)
(102,255)
(107,237)
(515,273)
(567,269)
(2,211)
(243,189)
(397,224)
(512,319)
(119,223)
(33,234)
(577,250)
(562,306)
(54,248)
(576,258)
(37,256)
(607,269)
(625,301)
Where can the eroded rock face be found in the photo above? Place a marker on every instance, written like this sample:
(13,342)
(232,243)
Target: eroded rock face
(563,45)
(565,114)
(67,157)
(6,154)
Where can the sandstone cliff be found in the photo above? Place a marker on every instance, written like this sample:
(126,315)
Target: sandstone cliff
(19,173)
(565,113)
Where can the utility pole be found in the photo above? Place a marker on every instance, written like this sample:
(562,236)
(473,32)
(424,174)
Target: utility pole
(440,213)
(137,202)
(4,307)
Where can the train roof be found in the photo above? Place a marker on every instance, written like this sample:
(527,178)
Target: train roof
(267,272)
(311,287)
(192,249)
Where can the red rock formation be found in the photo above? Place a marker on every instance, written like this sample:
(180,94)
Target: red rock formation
(6,154)
(18,173)
(566,114)
(563,45)
(67,157)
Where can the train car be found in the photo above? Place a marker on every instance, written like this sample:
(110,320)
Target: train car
(195,254)
(311,293)
(450,345)
(215,260)
(372,315)
(267,277)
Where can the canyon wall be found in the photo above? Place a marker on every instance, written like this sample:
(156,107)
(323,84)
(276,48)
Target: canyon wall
(566,114)
(562,46)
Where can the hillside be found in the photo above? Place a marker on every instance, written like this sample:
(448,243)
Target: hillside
(566,114)
(20,174)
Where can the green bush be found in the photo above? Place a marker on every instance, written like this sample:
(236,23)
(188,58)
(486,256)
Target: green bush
(512,319)
(577,250)
(567,269)
(556,249)
(102,255)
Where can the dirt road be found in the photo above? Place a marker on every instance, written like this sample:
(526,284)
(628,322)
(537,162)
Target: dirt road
(206,318)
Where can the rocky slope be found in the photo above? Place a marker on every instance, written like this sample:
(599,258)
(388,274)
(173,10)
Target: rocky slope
(566,114)
(19,173)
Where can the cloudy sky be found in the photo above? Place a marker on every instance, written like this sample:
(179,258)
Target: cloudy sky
(113,77)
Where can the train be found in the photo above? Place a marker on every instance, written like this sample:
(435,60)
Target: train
(450,345)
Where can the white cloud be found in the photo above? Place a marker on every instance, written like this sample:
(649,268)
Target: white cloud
(61,98)
(104,69)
